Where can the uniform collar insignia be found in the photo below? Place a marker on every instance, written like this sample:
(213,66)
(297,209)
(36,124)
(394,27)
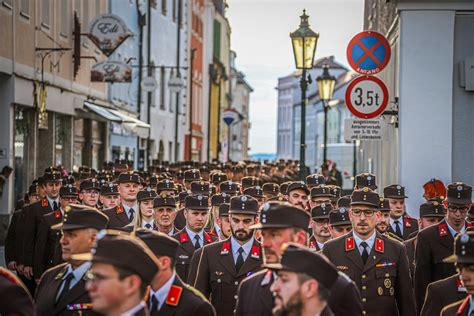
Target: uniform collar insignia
(44,203)
(88,275)
(460,286)
(61,273)
(407,222)
(119,209)
(468,224)
(183,237)
(57,214)
(207,238)
(174,295)
(312,243)
(379,245)
(255,252)
(464,304)
(147,294)
(443,230)
(267,278)
(225,248)
(350,243)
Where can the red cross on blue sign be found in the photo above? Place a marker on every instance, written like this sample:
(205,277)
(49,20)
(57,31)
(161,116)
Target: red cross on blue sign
(368,52)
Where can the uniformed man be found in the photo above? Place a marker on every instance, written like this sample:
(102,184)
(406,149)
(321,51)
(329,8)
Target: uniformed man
(270,190)
(89,192)
(190,176)
(401,224)
(320,194)
(257,193)
(376,263)
(168,294)
(300,289)
(122,267)
(315,179)
(61,290)
(47,247)
(363,180)
(109,195)
(383,222)
(193,235)
(164,207)
(336,192)
(213,225)
(200,187)
(229,187)
(33,215)
(436,242)
(297,193)
(463,258)
(124,213)
(250,181)
(281,223)
(166,187)
(339,222)
(16,300)
(320,224)
(223,265)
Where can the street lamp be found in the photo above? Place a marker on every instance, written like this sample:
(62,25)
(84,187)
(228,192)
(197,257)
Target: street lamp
(304,41)
(326,84)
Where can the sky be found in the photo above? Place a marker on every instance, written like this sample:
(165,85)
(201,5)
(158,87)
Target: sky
(260,37)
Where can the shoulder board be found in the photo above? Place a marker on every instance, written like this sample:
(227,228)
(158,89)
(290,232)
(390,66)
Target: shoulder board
(57,214)
(183,237)
(174,295)
(463,305)
(350,243)
(119,209)
(255,252)
(379,245)
(207,237)
(225,248)
(44,202)
(443,230)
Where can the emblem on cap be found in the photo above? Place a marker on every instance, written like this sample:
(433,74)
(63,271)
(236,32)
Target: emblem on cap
(323,205)
(459,187)
(464,238)
(365,189)
(398,187)
(199,197)
(266,207)
(243,198)
(342,210)
(148,189)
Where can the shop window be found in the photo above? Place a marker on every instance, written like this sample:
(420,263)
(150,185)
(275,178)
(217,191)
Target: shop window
(23,121)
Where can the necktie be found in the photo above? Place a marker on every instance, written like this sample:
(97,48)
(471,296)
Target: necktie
(132,213)
(197,245)
(398,231)
(67,284)
(365,253)
(55,206)
(240,259)
(147,226)
(154,306)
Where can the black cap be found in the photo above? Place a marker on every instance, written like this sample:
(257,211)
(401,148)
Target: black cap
(463,249)
(271,188)
(224,209)
(315,179)
(182,196)
(255,192)
(282,215)
(109,189)
(16,300)
(197,202)
(229,187)
(459,193)
(68,190)
(321,211)
(339,216)
(217,178)
(90,184)
(165,185)
(147,194)
(284,187)
(365,196)
(160,244)
(384,205)
(53,176)
(80,216)
(248,182)
(365,180)
(297,185)
(124,251)
(200,187)
(336,193)
(394,191)
(192,175)
(432,209)
(321,191)
(164,201)
(344,201)
(125,177)
(218,199)
(243,204)
(33,189)
(68,180)
(298,259)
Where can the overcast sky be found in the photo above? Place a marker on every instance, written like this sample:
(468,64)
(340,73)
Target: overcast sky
(260,37)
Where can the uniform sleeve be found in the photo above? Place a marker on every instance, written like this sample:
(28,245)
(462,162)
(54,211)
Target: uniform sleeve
(193,267)
(19,237)
(40,248)
(404,292)
(205,309)
(10,242)
(351,302)
(422,269)
(431,305)
(29,236)
(202,283)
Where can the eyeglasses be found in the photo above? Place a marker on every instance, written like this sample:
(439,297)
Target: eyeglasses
(98,278)
(358,213)
(461,209)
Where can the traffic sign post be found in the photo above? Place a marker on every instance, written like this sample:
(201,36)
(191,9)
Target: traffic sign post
(368,52)
(367,97)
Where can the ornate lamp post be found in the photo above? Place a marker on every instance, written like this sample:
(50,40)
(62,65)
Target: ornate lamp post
(326,84)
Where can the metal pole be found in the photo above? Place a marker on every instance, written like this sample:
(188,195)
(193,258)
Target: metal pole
(354,162)
(148,101)
(229,141)
(325,150)
(141,23)
(211,81)
(219,145)
(303,84)
(178,46)
(190,140)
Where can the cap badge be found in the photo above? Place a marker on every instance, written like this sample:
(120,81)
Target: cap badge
(459,187)
(464,238)
(369,178)
(323,205)
(365,189)
(148,189)
(398,187)
(435,203)
(199,197)
(342,210)
(243,198)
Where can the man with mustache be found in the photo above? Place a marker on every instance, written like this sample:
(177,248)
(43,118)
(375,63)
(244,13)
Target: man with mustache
(376,263)
(164,213)
(297,193)
(320,224)
(223,265)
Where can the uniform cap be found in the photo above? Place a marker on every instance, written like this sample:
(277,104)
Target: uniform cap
(463,249)
(248,182)
(384,205)
(321,191)
(164,201)
(146,194)
(339,216)
(218,199)
(109,189)
(365,180)
(271,188)
(68,180)
(336,193)
(90,184)
(81,216)
(160,244)
(68,190)
(165,185)
(200,187)
(229,187)
(255,192)
(365,196)
(284,187)
(459,193)
(315,179)
(297,185)
(344,201)
(321,211)
(197,202)
(192,175)
(52,176)
(282,215)
(224,209)
(243,204)
(394,191)
(218,178)
(126,177)
(432,209)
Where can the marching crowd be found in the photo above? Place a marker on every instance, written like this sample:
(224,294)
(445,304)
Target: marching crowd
(235,238)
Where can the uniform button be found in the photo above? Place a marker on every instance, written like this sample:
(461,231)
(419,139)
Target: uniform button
(236,282)
(364,287)
(364,312)
(364,299)
(182,262)
(218,280)
(363,276)
(236,296)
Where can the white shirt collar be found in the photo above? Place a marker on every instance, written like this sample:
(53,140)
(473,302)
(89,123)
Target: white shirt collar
(162,293)
(127,209)
(471,305)
(370,241)
(132,311)
(80,271)
(235,246)
(399,220)
(453,231)
(191,235)
(320,245)
(150,222)
(51,201)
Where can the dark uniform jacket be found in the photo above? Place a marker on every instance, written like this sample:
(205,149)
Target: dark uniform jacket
(433,244)
(255,297)
(460,308)
(118,218)
(410,246)
(11,243)
(217,277)
(180,220)
(313,244)
(47,248)
(410,226)
(442,293)
(186,251)
(184,300)
(384,280)
(75,302)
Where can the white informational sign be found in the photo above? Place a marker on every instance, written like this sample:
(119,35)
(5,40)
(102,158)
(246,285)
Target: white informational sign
(367,97)
(149,84)
(361,129)
(176,84)
(107,32)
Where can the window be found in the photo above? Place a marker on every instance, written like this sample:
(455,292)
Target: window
(162,88)
(163,7)
(97,7)
(63,31)
(175,10)
(45,10)
(25,8)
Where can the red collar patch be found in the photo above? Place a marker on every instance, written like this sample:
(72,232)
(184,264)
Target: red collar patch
(350,243)
(463,305)
(312,244)
(44,203)
(255,252)
(183,237)
(407,222)
(379,245)
(443,230)
(207,238)
(119,209)
(57,214)
(225,248)
(468,224)
(174,295)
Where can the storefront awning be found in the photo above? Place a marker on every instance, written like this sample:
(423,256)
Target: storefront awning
(103,112)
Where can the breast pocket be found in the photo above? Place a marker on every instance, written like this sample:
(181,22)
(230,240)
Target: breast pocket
(221,284)
(385,279)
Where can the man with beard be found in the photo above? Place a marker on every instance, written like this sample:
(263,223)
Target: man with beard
(300,289)
(401,224)
(89,192)
(297,193)
(376,263)
(61,290)
(124,213)
(436,242)
(109,195)
(320,224)
(164,207)
(383,222)
(339,222)
(223,265)
(282,223)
